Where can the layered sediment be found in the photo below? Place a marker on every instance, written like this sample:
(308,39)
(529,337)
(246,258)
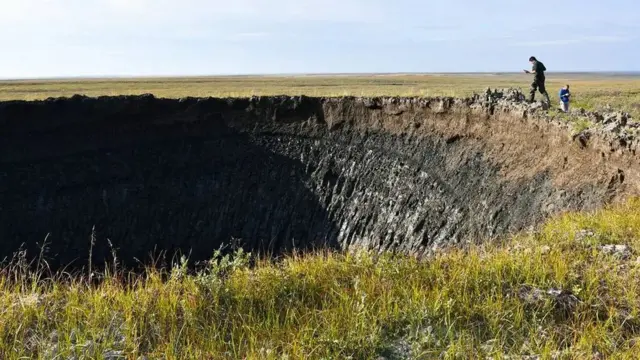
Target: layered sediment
(277,173)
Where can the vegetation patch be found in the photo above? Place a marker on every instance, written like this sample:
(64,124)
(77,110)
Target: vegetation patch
(567,291)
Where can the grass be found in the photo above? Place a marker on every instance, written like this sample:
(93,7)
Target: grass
(474,302)
(590,91)
(578,123)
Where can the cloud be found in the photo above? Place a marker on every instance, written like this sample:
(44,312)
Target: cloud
(156,11)
(33,21)
(578,40)
(247,36)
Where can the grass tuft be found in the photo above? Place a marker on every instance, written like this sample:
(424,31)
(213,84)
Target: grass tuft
(553,294)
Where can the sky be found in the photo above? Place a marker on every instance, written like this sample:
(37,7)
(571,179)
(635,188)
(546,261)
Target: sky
(69,38)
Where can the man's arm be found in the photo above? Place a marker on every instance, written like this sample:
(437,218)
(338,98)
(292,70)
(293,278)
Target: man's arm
(533,69)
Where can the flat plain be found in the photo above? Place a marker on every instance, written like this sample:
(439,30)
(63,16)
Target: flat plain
(590,90)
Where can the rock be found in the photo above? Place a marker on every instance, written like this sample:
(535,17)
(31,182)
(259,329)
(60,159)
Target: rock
(612,127)
(514,95)
(562,299)
(518,357)
(605,119)
(54,336)
(399,349)
(186,100)
(622,252)
(531,295)
(538,106)
(622,118)
(371,103)
(113,355)
(584,234)
(119,340)
(582,137)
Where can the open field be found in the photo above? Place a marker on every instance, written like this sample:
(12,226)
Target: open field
(557,294)
(590,90)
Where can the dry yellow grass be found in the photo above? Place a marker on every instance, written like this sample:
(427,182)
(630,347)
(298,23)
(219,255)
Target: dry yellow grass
(557,294)
(590,91)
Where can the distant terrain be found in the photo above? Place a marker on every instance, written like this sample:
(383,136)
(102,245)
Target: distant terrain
(591,90)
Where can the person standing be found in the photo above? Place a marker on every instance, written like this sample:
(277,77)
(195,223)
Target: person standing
(537,69)
(565,97)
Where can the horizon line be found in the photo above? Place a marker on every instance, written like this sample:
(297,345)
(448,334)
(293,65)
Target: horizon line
(107,77)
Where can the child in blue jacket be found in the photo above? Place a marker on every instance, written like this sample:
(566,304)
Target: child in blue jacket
(565,96)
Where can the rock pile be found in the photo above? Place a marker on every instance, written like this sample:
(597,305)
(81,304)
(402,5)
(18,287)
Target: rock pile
(617,128)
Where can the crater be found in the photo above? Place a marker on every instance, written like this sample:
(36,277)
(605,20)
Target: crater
(280,173)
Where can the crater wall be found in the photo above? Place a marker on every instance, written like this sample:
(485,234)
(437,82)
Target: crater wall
(278,173)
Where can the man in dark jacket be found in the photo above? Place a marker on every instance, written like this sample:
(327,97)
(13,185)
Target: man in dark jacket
(537,70)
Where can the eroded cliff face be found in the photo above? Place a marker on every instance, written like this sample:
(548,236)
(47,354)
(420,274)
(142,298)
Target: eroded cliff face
(279,173)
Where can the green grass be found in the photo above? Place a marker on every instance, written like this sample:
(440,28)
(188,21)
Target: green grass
(462,303)
(590,91)
(578,123)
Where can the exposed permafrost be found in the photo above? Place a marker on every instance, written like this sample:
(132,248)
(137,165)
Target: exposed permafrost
(278,173)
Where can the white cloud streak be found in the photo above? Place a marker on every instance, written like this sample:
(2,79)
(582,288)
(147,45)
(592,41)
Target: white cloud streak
(156,11)
(30,21)
(578,40)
